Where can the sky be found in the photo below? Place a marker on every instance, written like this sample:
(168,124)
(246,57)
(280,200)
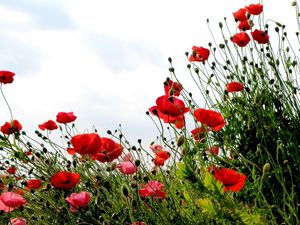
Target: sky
(105,60)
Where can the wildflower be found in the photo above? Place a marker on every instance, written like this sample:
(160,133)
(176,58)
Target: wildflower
(199,54)
(18,221)
(234,87)
(172,88)
(63,117)
(156,148)
(138,223)
(260,36)
(171,106)
(199,133)
(11,127)
(254,9)
(245,25)
(240,15)
(161,157)
(214,150)
(78,200)
(65,180)
(154,189)
(6,77)
(210,118)
(11,170)
(241,39)
(49,125)
(33,184)
(231,179)
(127,167)
(85,144)
(9,201)
(108,151)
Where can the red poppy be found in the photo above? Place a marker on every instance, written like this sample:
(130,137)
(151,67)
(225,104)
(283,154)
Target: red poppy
(245,25)
(210,118)
(108,151)
(33,184)
(240,15)
(78,200)
(11,127)
(161,157)
(6,77)
(138,223)
(63,117)
(199,54)
(11,170)
(241,39)
(49,125)
(10,201)
(85,144)
(18,221)
(172,88)
(199,133)
(156,148)
(171,106)
(254,9)
(231,179)
(154,189)
(260,36)
(65,180)
(214,150)
(234,87)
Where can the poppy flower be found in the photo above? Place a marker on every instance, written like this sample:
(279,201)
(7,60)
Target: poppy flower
(127,167)
(254,9)
(9,201)
(6,77)
(199,54)
(199,133)
(214,150)
(153,189)
(65,180)
(18,221)
(138,223)
(108,151)
(85,144)
(231,179)
(49,125)
(161,157)
(78,200)
(63,117)
(260,36)
(33,184)
(11,127)
(234,87)
(240,15)
(156,148)
(210,118)
(172,88)
(171,106)
(241,39)
(245,25)
(11,170)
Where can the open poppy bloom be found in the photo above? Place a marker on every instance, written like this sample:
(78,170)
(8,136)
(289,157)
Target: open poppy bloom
(199,54)
(6,77)
(199,133)
(234,87)
(63,117)
(11,170)
(65,180)
(18,221)
(11,127)
(49,125)
(241,39)
(210,118)
(153,189)
(254,9)
(156,148)
(260,36)
(231,179)
(245,25)
(85,144)
(33,184)
(172,88)
(240,15)
(161,157)
(78,200)
(9,201)
(108,151)
(171,106)
(127,167)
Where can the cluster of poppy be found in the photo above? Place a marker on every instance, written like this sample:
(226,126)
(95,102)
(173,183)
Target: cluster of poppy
(243,17)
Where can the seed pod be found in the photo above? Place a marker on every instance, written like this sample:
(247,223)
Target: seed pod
(266,168)
(180,141)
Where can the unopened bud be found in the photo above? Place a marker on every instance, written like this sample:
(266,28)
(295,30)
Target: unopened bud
(137,162)
(294,3)
(266,168)
(125,191)
(113,166)
(180,140)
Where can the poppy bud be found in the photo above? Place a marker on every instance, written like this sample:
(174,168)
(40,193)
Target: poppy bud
(220,25)
(125,191)
(170,59)
(113,166)
(137,162)
(266,168)
(180,140)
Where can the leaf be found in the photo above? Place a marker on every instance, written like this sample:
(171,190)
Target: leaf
(206,205)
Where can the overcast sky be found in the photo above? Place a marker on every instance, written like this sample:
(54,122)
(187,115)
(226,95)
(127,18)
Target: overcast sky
(104,60)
